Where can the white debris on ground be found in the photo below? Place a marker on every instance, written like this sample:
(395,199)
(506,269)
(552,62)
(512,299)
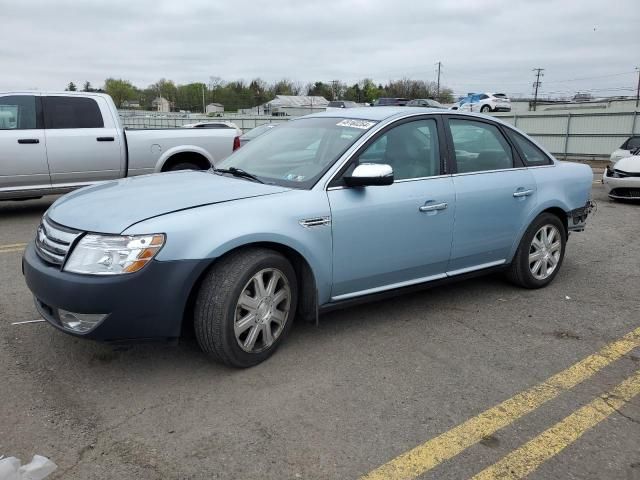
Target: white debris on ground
(40,467)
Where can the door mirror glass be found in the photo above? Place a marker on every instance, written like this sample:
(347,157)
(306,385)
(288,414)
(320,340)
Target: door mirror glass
(370,174)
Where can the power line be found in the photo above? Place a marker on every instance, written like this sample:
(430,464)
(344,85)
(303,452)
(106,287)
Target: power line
(536,85)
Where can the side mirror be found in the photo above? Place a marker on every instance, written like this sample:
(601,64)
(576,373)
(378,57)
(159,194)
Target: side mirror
(370,174)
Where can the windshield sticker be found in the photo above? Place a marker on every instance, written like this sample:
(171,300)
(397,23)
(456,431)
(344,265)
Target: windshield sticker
(295,178)
(361,124)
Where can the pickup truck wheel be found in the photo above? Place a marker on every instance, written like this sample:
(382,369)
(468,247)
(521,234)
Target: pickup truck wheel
(540,253)
(245,307)
(183,166)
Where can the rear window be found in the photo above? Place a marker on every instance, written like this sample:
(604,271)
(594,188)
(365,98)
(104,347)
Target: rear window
(499,95)
(71,112)
(532,155)
(336,104)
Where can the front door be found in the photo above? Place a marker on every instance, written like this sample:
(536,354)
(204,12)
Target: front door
(494,195)
(386,237)
(23,155)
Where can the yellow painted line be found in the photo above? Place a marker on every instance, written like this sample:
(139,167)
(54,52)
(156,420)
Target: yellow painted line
(428,455)
(13,245)
(531,455)
(10,250)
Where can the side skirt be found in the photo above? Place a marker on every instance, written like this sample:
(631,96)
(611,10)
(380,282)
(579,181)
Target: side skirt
(410,289)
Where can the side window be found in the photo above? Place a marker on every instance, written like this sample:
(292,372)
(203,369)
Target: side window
(479,146)
(533,156)
(18,112)
(411,149)
(71,112)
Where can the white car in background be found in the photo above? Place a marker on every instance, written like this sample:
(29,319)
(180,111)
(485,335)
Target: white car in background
(624,151)
(219,124)
(622,179)
(485,102)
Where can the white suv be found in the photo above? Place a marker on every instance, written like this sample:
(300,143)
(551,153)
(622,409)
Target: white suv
(485,102)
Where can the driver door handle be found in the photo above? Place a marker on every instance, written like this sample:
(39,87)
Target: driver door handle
(433,206)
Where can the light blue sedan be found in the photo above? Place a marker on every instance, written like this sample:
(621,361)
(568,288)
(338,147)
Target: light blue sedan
(326,210)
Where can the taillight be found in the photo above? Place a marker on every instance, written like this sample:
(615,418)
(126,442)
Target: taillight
(236,143)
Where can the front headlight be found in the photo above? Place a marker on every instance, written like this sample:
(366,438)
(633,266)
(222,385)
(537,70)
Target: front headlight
(113,254)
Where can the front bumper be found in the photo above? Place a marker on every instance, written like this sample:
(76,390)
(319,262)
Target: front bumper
(627,188)
(148,304)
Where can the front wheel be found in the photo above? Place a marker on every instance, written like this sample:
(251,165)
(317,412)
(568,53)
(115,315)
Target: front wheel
(245,307)
(540,253)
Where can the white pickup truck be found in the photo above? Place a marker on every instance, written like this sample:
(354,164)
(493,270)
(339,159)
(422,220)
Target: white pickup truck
(52,143)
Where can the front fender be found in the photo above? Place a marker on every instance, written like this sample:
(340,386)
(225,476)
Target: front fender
(210,231)
(181,149)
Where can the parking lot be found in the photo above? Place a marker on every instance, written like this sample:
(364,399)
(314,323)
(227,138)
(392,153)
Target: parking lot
(411,387)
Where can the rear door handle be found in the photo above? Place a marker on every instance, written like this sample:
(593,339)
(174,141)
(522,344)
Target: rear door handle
(522,193)
(105,139)
(432,207)
(28,140)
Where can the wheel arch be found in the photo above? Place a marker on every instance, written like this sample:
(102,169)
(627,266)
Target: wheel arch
(184,153)
(555,209)
(307,308)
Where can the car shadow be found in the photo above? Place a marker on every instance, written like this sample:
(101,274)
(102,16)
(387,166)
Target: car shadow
(21,208)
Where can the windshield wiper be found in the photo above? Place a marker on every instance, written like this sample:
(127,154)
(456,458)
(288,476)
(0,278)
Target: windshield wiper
(238,172)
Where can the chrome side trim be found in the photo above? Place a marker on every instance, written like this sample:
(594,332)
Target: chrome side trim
(416,281)
(388,287)
(404,180)
(315,222)
(475,267)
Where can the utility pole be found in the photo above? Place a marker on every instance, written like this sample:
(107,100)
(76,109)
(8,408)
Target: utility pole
(536,85)
(638,88)
(438,82)
(204,111)
(334,88)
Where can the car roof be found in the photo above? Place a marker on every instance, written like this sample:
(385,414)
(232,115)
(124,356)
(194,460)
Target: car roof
(372,113)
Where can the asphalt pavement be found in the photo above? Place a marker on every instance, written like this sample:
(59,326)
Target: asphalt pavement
(475,378)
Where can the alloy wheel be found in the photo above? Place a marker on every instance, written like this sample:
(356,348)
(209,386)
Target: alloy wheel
(262,310)
(544,252)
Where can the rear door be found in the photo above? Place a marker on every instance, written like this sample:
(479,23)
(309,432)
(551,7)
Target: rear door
(495,193)
(23,156)
(83,140)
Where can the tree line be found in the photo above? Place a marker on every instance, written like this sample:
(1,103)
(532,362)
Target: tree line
(238,94)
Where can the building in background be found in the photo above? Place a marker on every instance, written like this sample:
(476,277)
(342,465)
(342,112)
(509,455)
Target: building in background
(161,104)
(293,105)
(131,104)
(215,108)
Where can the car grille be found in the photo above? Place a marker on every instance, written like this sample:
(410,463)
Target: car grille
(625,192)
(54,241)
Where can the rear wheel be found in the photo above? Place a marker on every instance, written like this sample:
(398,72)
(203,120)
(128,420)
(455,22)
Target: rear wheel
(245,307)
(485,109)
(540,253)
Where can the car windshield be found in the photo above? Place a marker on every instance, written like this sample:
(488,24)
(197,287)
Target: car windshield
(633,143)
(298,152)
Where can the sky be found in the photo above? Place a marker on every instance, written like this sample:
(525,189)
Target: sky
(488,45)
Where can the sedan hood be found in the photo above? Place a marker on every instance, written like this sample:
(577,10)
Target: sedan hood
(629,164)
(111,207)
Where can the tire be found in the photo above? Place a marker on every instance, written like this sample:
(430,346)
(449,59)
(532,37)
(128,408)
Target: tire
(523,271)
(183,166)
(218,307)
(485,109)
